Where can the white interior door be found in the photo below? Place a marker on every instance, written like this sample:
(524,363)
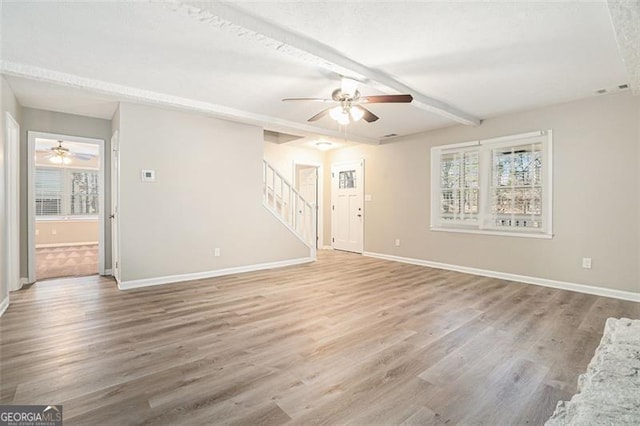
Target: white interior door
(115,212)
(12,231)
(306,183)
(347,210)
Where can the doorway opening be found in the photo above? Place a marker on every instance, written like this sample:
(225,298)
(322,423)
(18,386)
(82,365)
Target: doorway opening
(66,206)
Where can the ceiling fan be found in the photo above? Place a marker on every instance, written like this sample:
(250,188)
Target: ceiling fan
(62,155)
(349,103)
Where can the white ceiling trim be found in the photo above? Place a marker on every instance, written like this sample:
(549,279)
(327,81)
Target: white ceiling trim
(122,93)
(240,23)
(625,16)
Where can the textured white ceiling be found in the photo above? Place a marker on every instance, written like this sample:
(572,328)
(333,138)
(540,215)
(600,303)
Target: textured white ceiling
(486,58)
(51,97)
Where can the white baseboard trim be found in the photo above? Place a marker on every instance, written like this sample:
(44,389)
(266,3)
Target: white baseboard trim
(327,247)
(563,285)
(4,305)
(85,243)
(108,272)
(146,282)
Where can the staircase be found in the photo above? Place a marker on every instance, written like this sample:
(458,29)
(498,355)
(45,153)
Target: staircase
(282,199)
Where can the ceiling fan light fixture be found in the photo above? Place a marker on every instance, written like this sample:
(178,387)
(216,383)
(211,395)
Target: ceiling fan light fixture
(356,113)
(349,109)
(60,154)
(60,159)
(340,115)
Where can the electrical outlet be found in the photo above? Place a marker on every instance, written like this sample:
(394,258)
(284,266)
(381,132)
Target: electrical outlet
(397,242)
(216,252)
(586,262)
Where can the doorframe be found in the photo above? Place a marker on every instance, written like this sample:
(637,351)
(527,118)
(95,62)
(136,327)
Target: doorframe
(362,189)
(115,206)
(12,206)
(319,197)
(31,214)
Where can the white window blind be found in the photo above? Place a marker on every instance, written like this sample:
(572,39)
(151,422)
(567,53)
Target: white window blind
(516,187)
(49,191)
(459,186)
(500,185)
(64,192)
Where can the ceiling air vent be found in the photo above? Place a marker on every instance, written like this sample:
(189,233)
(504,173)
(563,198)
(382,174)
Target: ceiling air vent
(390,135)
(617,88)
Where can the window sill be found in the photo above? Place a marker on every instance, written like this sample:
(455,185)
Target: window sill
(66,218)
(496,233)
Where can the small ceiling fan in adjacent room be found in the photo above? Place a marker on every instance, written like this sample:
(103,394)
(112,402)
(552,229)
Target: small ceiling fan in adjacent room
(349,104)
(61,155)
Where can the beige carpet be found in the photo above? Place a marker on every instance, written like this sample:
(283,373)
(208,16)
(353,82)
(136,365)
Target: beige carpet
(74,261)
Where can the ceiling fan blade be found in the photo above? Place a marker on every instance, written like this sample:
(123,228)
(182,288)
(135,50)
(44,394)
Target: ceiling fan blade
(83,157)
(308,99)
(319,115)
(368,116)
(379,99)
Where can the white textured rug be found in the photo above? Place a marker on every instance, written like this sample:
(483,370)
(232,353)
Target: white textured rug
(609,392)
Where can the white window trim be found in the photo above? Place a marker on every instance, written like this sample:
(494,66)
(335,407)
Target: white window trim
(478,227)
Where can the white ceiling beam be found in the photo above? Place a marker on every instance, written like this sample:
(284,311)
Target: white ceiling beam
(242,24)
(625,18)
(127,93)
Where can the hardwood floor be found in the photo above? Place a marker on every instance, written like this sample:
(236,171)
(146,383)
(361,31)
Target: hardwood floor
(347,339)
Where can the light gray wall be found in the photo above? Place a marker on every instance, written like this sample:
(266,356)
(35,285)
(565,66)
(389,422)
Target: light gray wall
(207,194)
(8,103)
(65,124)
(596,145)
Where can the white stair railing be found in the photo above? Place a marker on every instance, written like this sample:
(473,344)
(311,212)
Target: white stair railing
(282,199)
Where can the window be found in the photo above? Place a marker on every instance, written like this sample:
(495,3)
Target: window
(500,185)
(347,179)
(66,192)
(49,188)
(459,186)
